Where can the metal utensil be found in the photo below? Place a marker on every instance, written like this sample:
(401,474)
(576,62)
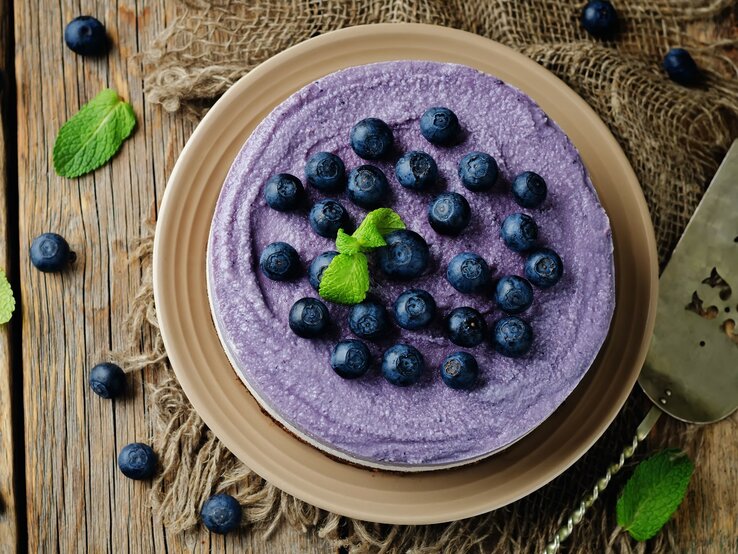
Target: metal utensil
(691,371)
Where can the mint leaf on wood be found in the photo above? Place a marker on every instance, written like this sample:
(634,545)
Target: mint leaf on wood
(7,301)
(346,279)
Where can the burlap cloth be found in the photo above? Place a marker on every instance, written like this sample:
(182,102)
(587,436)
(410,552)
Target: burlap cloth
(674,137)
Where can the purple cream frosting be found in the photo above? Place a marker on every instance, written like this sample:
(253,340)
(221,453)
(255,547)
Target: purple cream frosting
(427,424)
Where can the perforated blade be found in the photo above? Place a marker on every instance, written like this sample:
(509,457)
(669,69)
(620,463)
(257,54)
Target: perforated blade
(691,370)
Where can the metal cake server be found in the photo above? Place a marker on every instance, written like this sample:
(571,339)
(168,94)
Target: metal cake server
(691,370)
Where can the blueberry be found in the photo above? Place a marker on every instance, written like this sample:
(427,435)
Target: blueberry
(406,255)
(460,370)
(544,268)
(402,365)
(478,171)
(309,318)
(368,319)
(529,189)
(137,461)
(371,139)
(350,359)
(86,36)
(283,192)
(414,309)
(466,327)
(600,19)
(416,170)
(449,213)
(519,232)
(326,172)
(327,217)
(680,67)
(367,186)
(513,294)
(279,261)
(221,513)
(468,272)
(50,253)
(107,380)
(512,336)
(440,126)
(317,267)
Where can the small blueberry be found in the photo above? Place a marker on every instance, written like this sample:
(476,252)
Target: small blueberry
(519,232)
(600,19)
(414,309)
(86,36)
(460,370)
(279,261)
(309,318)
(529,189)
(402,365)
(478,171)
(468,273)
(512,337)
(350,359)
(368,319)
(221,513)
(680,67)
(326,172)
(51,253)
(107,380)
(513,294)
(318,266)
(449,213)
(440,126)
(416,170)
(371,139)
(544,268)
(406,255)
(283,192)
(327,216)
(137,461)
(466,327)
(367,186)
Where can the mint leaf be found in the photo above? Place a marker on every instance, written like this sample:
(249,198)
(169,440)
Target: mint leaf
(346,244)
(93,135)
(7,301)
(653,493)
(376,225)
(346,279)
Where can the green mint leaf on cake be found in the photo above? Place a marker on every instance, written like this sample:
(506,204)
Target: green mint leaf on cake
(653,493)
(7,301)
(346,279)
(346,244)
(376,225)
(93,135)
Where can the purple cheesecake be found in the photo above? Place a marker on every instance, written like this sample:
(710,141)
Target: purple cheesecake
(428,425)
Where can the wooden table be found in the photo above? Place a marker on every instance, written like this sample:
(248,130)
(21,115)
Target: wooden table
(60,489)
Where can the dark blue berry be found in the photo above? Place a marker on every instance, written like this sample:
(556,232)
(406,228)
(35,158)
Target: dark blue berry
(680,67)
(317,267)
(86,36)
(367,186)
(350,359)
(137,461)
(449,213)
(414,309)
(440,126)
(600,19)
(309,318)
(107,380)
(327,217)
(221,513)
(371,139)
(283,192)
(468,273)
(529,189)
(519,232)
(402,365)
(513,294)
(406,255)
(544,268)
(478,171)
(368,319)
(50,253)
(460,370)
(326,172)
(416,170)
(279,261)
(512,337)
(466,327)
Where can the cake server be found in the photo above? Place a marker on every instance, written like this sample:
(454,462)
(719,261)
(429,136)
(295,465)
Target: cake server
(691,370)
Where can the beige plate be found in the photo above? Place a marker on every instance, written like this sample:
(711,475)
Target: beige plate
(301,470)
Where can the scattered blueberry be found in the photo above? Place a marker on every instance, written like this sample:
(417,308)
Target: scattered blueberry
(513,294)
(414,309)
(468,272)
(371,139)
(368,319)
(279,261)
(350,359)
(107,380)
(137,461)
(519,232)
(460,370)
(402,365)
(529,189)
(600,19)
(221,513)
(327,217)
(466,327)
(326,172)
(512,337)
(544,268)
(317,267)
(406,255)
(440,126)
(309,318)
(50,253)
(367,186)
(478,171)
(680,67)
(86,36)
(449,213)
(283,192)
(416,170)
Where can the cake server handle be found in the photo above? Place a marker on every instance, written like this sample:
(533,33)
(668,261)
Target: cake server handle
(578,514)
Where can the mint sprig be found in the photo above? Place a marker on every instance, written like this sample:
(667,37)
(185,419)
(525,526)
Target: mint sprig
(346,279)
(653,493)
(7,300)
